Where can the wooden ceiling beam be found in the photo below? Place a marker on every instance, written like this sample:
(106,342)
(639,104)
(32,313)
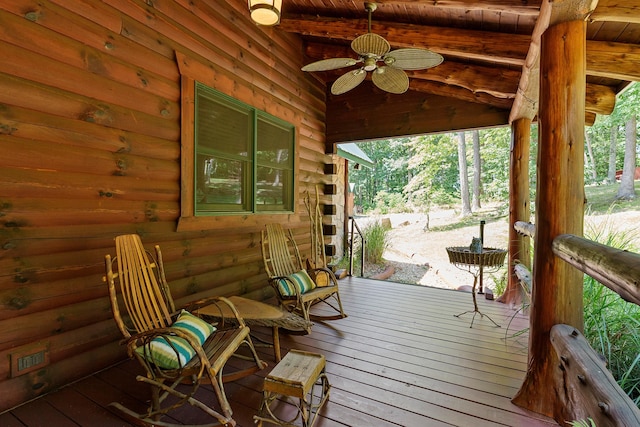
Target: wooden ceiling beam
(627,11)
(497,82)
(495,47)
(440,89)
(600,99)
(517,7)
(613,60)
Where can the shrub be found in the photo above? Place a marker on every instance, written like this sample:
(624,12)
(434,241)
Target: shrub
(376,238)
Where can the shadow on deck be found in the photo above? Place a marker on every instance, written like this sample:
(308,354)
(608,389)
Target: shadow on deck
(401,358)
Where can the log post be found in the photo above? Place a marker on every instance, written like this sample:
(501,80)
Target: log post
(519,206)
(557,287)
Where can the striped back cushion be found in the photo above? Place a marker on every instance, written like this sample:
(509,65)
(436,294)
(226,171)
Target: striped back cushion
(172,352)
(300,279)
(194,326)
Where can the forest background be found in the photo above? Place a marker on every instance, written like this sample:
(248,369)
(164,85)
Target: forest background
(419,173)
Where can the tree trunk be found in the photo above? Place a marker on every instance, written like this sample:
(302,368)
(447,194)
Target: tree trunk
(477,164)
(626,191)
(589,156)
(613,152)
(464,176)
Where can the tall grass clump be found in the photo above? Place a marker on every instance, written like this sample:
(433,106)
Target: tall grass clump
(376,241)
(612,325)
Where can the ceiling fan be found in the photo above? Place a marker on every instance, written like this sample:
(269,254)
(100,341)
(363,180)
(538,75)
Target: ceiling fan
(371,49)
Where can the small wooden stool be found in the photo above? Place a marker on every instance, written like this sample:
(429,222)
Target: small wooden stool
(295,376)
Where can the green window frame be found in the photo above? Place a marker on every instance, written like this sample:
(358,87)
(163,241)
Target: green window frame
(243,157)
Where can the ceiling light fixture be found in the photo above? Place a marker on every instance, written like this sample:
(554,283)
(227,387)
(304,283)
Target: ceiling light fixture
(265,12)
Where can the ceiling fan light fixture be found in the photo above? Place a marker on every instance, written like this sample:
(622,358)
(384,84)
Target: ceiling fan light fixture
(265,12)
(370,64)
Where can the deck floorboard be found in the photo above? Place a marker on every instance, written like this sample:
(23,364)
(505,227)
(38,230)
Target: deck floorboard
(401,358)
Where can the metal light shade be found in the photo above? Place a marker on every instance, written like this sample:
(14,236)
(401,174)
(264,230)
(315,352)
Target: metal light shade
(265,12)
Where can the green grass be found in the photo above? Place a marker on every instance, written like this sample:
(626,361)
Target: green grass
(601,199)
(612,325)
(489,216)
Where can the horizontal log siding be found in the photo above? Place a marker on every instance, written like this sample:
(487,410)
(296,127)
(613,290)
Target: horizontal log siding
(90,139)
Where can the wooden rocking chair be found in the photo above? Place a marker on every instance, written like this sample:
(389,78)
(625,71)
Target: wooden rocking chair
(291,281)
(173,347)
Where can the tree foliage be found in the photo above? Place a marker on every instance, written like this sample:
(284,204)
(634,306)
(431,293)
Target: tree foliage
(417,172)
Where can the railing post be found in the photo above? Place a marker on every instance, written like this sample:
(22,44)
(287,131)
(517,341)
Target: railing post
(354,225)
(351,246)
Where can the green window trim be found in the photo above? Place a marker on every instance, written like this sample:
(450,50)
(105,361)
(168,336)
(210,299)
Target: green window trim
(265,197)
(243,161)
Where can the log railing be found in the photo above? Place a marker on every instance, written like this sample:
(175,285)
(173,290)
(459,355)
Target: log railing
(525,228)
(616,269)
(592,392)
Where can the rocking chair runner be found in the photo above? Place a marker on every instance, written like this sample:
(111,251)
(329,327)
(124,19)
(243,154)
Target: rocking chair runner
(283,265)
(173,347)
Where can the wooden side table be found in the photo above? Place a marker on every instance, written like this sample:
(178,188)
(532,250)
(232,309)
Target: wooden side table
(256,313)
(296,377)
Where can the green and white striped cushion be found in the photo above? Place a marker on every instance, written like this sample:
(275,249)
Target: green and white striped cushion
(194,326)
(172,352)
(167,351)
(300,279)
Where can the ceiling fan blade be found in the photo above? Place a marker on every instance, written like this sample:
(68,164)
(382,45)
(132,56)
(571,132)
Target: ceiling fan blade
(370,44)
(412,59)
(348,81)
(389,79)
(330,64)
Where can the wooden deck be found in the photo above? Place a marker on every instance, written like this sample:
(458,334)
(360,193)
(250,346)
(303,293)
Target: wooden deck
(401,358)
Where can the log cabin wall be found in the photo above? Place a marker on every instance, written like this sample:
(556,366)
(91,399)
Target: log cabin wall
(90,135)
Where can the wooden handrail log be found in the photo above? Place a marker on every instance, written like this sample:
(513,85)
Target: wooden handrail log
(618,270)
(589,387)
(525,228)
(523,274)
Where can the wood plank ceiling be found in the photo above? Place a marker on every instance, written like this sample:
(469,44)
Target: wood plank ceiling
(490,47)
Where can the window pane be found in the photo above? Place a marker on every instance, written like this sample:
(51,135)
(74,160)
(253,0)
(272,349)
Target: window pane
(229,137)
(223,128)
(274,188)
(275,166)
(224,132)
(220,184)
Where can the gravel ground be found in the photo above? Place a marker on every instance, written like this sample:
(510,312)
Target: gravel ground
(418,255)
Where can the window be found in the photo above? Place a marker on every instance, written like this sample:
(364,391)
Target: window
(243,157)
